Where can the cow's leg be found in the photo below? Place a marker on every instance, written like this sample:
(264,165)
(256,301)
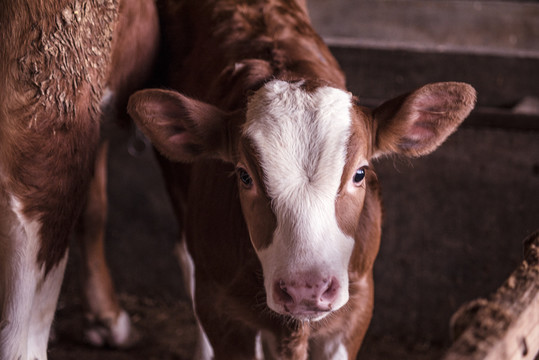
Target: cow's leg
(345,341)
(292,343)
(18,282)
(28,297)
(230,340)
(269,345)
(203,349)
(107,322)
(331,347)
(218,341)
(223,341)
(134,49)
(43,309)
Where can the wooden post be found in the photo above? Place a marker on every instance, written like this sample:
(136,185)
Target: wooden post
(506,325)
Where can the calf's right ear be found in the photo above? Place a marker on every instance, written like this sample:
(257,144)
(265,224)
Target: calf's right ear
(181,128)
(417,123)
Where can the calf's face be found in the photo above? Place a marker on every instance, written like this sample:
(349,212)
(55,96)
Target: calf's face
(293,152)
(302,154)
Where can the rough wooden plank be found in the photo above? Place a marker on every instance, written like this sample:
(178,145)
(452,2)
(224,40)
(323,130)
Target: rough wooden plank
(485,117)
(381,73)
(491,26)
(502,119)
(506,325)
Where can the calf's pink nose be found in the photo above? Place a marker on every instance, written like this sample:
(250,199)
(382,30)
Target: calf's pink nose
(306,296)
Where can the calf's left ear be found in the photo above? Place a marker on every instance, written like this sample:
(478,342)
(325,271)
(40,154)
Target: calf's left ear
(417,123)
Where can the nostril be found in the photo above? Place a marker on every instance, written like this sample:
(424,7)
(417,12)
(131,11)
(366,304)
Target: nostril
(331,290)
(281,293)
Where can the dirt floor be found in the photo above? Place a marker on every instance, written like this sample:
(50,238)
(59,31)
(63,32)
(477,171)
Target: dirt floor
(167,330)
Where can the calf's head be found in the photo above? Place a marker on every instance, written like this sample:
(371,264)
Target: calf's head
(302,153)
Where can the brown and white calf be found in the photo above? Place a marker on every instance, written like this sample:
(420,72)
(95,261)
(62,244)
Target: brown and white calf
(63,65)
(282,252)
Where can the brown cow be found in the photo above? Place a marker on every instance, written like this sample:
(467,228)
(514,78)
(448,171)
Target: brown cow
(282,252)
(63,65)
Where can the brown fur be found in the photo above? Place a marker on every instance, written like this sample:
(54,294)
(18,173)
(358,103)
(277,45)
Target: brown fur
(252,44)
(271,38)
(55,77)
(260,217)
(50,123)
(232,49)
(102,306)
(437,110)
(57,58)
(134,46)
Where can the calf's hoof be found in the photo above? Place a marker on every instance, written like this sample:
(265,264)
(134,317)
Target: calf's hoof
(118,332)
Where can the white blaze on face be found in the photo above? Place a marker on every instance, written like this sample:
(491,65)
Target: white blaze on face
(301,137)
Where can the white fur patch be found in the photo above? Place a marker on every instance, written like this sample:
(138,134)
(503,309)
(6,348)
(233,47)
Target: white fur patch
(259,349)
(43,310)
(302,140)
(204,350)
(330,349)
(188,267)
(27,299)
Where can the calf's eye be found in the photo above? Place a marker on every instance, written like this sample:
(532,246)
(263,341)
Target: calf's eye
(244,177)
(359,176)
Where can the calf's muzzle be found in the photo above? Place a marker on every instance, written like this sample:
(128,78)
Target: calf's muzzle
(307,297)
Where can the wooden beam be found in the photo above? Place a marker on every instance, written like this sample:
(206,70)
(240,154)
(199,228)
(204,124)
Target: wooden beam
(382,73)
(487,118)
(506,325)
